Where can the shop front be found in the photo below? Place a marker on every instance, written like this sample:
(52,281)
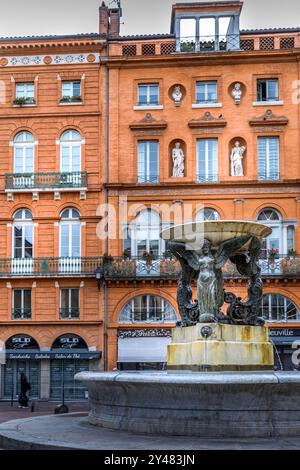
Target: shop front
(286,343)
(143,349)
(50,371)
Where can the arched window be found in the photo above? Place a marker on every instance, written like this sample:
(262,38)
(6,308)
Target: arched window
(148,309)
(274,242)
(70,234)
(24,153)
(207,214)
(70,152)
(22,234)
(276,307)
(145,234)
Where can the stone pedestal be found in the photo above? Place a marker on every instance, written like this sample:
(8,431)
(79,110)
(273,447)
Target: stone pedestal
(220,347)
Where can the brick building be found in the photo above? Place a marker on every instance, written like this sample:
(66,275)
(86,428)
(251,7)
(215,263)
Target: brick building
(89,119)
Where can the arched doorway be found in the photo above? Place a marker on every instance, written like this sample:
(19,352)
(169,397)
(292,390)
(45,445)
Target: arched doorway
(64,367)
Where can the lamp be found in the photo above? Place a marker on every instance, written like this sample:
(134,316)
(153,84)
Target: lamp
(98,276)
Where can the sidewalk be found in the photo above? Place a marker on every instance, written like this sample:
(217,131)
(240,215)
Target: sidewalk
(7,413)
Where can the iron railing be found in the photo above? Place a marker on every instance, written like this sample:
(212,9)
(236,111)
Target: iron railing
(271,176)
(71,313)
(229,42)
(46,181)
(142,178)
(49,267)
(207,177)
(21,313)
(169,268)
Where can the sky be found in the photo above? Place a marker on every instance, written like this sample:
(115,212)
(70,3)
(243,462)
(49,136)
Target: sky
(41,17)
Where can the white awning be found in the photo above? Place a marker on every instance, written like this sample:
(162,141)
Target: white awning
(143,349)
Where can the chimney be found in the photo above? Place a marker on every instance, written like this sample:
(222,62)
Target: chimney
(115,21)
(103,19)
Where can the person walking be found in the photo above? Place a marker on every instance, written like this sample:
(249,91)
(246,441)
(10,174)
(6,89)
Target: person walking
(25,387)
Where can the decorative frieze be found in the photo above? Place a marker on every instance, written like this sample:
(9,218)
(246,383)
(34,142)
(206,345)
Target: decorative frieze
(145,333)
(55,59)
(269,120)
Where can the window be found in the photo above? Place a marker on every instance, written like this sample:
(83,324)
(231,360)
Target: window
(71,92)
(273,243)
(267,90)
(148,162)
(70,151)
(290,239)
(21,304)
(147,229)
(206,92)
(207,160)
(23,234)
(276,307)
(24,93)
(268,158)
(207,214)
(148,95)
(148,309)
(69,303)
(24,153)
(70,234)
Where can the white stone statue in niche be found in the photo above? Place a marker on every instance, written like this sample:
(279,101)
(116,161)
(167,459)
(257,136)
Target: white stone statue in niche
(237,93)
(236,159)
(178,161)
(177,95)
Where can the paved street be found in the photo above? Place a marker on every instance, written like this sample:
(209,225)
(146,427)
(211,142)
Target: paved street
(8,413)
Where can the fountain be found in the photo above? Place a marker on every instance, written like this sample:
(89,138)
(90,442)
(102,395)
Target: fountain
(220,380)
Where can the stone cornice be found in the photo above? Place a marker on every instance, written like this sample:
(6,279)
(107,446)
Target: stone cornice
(269,119)
(207,121)
(148,123)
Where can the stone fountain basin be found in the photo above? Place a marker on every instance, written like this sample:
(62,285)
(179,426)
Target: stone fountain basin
(216,232)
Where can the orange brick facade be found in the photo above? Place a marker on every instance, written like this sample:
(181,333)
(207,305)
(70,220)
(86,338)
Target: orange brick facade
(123,64)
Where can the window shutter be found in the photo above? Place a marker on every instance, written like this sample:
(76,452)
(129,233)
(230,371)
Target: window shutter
(262,158)
(273,158)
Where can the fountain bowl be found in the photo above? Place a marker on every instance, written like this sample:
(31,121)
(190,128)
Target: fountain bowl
(216,231)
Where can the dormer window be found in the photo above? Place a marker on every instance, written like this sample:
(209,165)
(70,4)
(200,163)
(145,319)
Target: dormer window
(204,27)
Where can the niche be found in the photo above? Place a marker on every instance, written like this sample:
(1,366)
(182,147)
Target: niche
(237,158)
(178,144)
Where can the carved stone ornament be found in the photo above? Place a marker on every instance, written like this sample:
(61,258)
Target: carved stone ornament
(269,119)
(178,161)
(148,122)
(237,93)
(177,95)
(207,120)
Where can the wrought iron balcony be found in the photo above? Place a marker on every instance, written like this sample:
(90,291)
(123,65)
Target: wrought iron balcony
(142,178)
(21,313)
(69,313)
(75,180)
(271,176)
(207,178)
(161,267)
(49,267)
(229,42)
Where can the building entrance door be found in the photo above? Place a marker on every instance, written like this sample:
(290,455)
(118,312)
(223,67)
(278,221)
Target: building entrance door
(62,377)
(12,372)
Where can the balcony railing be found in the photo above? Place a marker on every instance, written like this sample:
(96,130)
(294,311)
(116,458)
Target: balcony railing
(169,268)
(69,313)
(170,45)
(142,178)
(46,181)
(207,178)
(49,267)
(274,176)
(21,313)
(230,42)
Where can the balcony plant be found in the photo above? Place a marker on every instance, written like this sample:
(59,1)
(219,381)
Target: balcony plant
(148,257)
(272,254)
(71,99)
(23,101)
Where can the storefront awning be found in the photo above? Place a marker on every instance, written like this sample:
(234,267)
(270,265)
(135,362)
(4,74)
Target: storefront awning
(52,354)
(143,349)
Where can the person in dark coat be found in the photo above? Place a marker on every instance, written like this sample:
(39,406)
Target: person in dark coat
(25,387)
